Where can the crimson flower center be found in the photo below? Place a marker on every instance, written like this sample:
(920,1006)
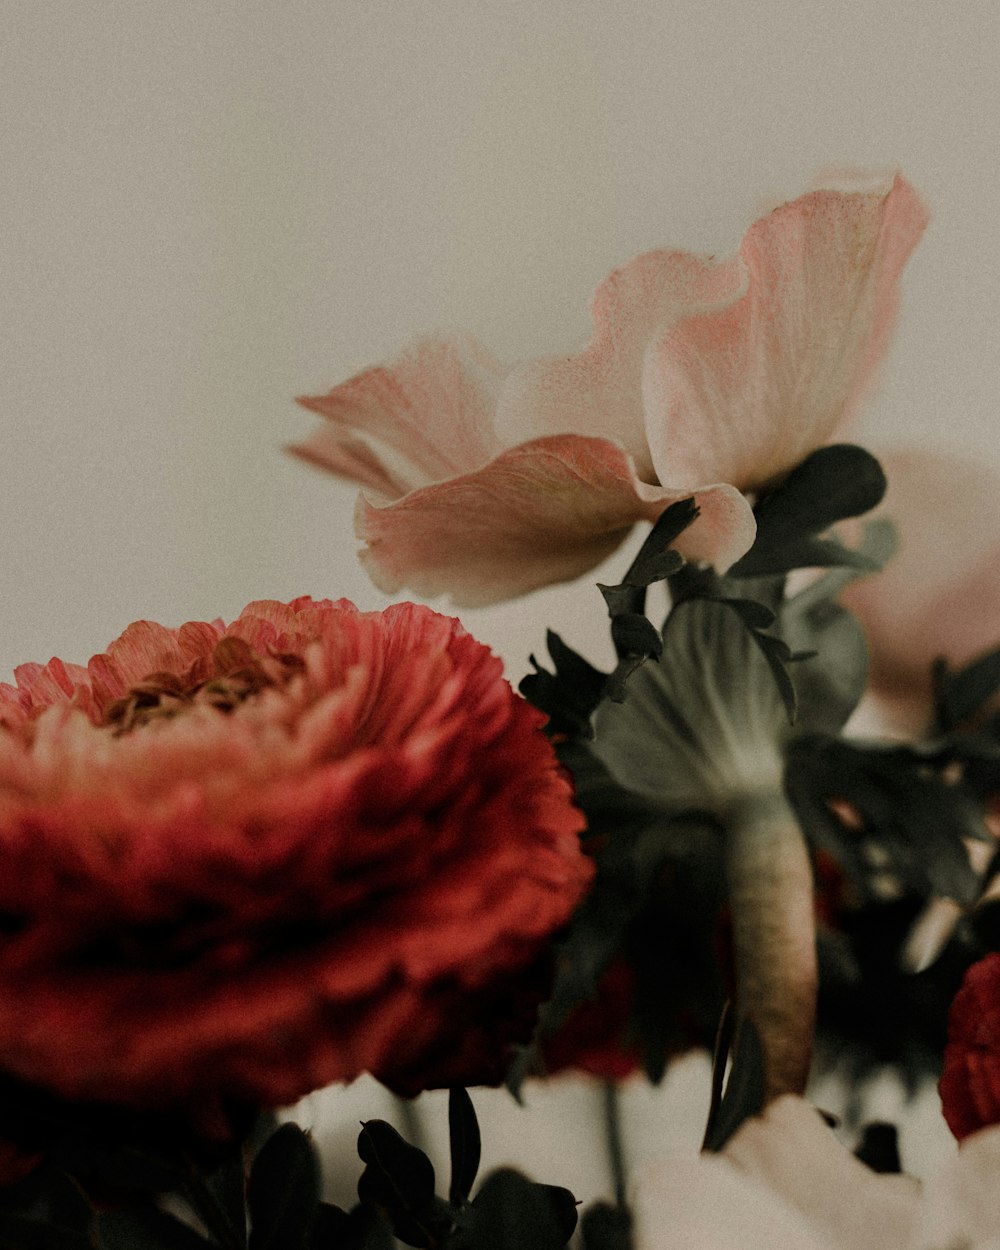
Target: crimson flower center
(223,680)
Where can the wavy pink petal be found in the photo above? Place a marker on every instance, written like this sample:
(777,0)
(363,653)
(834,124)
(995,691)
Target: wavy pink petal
(426,416)
(743,392)
(598,392)
(542,512)
(940,594)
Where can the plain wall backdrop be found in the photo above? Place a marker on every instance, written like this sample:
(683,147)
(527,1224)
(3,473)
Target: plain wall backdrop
(210,206)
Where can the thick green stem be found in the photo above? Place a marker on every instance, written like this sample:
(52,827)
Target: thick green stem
(774,938)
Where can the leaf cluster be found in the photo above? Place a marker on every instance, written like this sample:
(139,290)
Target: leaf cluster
(507,1212)
(276,1204)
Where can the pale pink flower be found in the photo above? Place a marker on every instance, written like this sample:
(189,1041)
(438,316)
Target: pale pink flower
(784,1182)
(703,376)
(940,594)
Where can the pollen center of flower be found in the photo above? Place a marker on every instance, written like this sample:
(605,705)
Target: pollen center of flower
(233,673)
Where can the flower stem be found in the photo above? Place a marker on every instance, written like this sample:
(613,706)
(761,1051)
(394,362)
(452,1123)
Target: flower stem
(613,1138)
(774,939)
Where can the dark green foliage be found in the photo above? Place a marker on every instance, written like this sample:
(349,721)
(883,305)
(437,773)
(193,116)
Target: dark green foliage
(963,695)
(399,1181)
(738,1099)
(147,1228)
(512,1213)
(465,1145)
(569,695)
(828,486)
(913,816)
(879,1148)
(605,1227)
(283,1191)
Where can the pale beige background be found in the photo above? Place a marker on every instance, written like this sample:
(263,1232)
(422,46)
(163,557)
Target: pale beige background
(208,206)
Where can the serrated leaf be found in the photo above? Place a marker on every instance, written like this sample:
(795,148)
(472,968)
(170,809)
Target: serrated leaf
(465,1145)
(283,1191)
(569,695)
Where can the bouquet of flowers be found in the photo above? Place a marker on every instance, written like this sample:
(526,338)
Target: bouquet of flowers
(242,862)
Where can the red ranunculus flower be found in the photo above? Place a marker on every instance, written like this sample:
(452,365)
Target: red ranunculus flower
(246,861)
(970,1082)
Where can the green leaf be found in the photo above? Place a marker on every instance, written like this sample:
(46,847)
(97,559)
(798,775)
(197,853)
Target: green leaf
(465,1143)
(706,721)
(283,1191)
(227,1185)
(744,1090)
(633,634)
(511,1212)
(829,687)
(961,694)
(831,484)
(913,819)
(140,1168)
(879,1148)
(569,695)
(399,1180)
(361,1229)
(146,1228)
(605,1227)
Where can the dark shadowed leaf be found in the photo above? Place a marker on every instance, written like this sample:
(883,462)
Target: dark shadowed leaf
(227,1185)
(605,1227)
(399,1180)
(147,1228)
(283,1191)
(828,486)
(743,1096)
(569,695)
(911,818)
(364,1228)
(512,1213)
(960,695)
(465,1143)
(24,1232)
(879,1147)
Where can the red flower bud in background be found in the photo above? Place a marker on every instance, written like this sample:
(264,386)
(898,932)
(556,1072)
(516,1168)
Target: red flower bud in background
(244,862)
(970,1082)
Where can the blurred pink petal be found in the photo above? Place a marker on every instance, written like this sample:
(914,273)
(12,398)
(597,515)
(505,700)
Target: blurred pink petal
(940,594)
(698,372)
